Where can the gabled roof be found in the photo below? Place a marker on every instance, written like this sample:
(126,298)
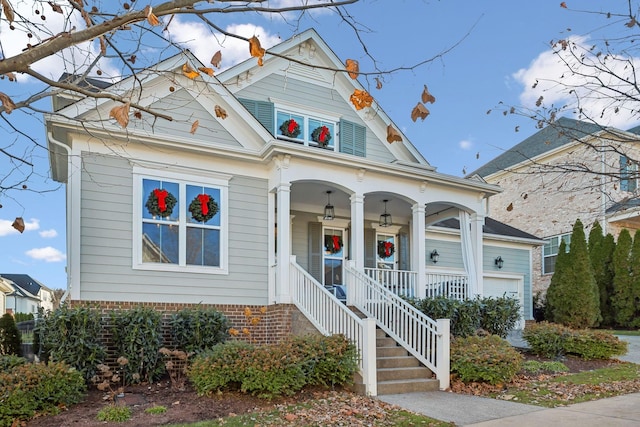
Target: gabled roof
(25,283)
(491,226)
(564,131)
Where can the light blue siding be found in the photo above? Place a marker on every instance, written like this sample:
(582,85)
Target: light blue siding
(450,253)
(515,261)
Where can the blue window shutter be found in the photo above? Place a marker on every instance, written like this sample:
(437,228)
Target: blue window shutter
(624,174)
(353,138)
(261,110)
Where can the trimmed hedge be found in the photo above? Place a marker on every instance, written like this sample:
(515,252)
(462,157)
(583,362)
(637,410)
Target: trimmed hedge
(484,359)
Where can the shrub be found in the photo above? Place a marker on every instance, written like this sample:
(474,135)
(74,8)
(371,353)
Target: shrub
(195,330)
(38,388)
(499,315)
(114,413)
(10,342)
(546,339)
(22,317)
(484,359)
(137,336)
(10,361)
(275,370)
(72,335)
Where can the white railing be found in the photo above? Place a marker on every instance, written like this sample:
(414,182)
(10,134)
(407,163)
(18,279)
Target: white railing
(424,338)
(330,316)
(400,282)
(450,285)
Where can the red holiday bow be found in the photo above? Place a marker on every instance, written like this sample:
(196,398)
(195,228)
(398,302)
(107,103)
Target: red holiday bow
(336,242)
(292,125)
(204,203)
(161,195)
(324,131)
(387,249)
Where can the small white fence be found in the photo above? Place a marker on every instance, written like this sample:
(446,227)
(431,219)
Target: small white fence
(400,282)
(450,285)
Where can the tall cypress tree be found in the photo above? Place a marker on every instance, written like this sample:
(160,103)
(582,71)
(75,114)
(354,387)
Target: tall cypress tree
(635,280)
(622,296)
(575,296)
(600,252)
(555,293)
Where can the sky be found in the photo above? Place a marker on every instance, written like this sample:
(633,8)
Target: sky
(493,52)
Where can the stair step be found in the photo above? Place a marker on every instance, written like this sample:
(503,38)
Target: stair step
(411,373)
(391,351)
(407,386)
(385,342)
(397,362)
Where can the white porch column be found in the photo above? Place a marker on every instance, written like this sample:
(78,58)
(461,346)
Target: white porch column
(418,251)
(283,291)
(357,230)
(477,221)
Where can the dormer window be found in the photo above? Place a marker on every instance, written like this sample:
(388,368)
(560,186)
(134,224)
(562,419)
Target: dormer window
(306,129)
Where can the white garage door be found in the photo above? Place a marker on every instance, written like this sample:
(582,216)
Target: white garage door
(509,287)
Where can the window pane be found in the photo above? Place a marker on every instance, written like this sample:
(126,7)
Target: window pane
(549,265)
(283,117)
(148,185)
(333,243)
(315,124)
(203,246)
(192,192)
(159,243)
(386,261)
(332,272)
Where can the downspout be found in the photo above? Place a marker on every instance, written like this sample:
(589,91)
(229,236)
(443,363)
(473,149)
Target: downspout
(603,204)
(68,201)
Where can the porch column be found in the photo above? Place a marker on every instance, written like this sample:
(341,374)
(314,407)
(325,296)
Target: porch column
(283,207)
(357,230)
(418,252)
(477,221)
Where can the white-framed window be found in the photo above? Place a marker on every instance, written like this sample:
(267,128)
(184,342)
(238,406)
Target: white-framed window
(307,128)
(628,174)
(550,251)
(185,231)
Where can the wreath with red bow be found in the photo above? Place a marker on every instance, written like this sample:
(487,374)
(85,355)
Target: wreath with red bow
(385,249)
(333,244)
(290,128)
(203,207)
(321,135)
(160,203)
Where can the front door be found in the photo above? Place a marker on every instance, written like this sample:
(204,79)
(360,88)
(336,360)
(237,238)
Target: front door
(333,256)
(385,251)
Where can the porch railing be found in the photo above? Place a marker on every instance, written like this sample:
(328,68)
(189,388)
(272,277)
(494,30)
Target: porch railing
(424,338)
(400,282)
(330,316)
(450,285)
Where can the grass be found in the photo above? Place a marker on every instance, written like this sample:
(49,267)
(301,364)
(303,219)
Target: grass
(635,333)
(156,410)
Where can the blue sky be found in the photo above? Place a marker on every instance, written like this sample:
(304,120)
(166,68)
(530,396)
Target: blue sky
(502,46)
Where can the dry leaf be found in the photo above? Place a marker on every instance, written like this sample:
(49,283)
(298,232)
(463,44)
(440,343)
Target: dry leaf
(539,101)
(11,77)
(189,72)
(427,97)
(361,99)
(517,129)
(132,59)
(255,49)
(419,111)
(151,18)
(393,135)
(478,155)
(563,4)
(194,127)
(510,207)
(216,59)
(103,45)
(137,115)
(206,70)
(8,11)
(378,83)
(121,114)
(353,68)
(56,8)
(631,23)
(220,112)
(7,103)
(18,224)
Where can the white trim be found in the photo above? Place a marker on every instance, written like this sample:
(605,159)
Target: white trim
(335,222)
(220,181)
(303,110)
(390,229)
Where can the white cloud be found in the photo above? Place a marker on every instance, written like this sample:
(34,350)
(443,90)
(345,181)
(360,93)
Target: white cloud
(465,144)
(47,254)
(550,77)
(6,228)
(47,234)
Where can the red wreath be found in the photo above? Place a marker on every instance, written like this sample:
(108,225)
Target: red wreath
(385,249)
(333,243)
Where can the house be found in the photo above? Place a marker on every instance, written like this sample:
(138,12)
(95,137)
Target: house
(267,187)
(566,171)
(26,295)
(5,289)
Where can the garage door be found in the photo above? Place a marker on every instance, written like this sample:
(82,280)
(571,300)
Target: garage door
(506,286)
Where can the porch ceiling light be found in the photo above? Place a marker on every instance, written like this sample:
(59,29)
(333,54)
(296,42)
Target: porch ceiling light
(499,262)
(435,256)
(329,212)
(385,218)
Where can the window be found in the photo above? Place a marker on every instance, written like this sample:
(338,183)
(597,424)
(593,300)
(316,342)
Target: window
(628,174)
(311,131)
(180,224)
(550,252)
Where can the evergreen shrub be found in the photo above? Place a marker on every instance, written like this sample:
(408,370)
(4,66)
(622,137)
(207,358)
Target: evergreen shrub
(484,359)
(10,341)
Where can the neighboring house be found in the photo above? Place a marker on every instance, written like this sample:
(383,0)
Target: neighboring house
(546,186)
(5,289)
(296,215)
(27,295)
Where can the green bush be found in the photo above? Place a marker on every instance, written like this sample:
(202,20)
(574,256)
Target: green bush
(72,335)
(499,315)
(137,336)
(274,370)
(553,340)
(10,342)
(22,317)
(113,413)
(195,330)
(38,388)
(484,359)
(10,361)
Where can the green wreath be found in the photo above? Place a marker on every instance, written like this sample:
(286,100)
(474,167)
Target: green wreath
(333,244)
(203,207)
(321,135)
(290,128)
(385,249)
(160,203)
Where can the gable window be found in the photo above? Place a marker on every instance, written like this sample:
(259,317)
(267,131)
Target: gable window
(180,224)
(628,174)
(550,251)
(306,129)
